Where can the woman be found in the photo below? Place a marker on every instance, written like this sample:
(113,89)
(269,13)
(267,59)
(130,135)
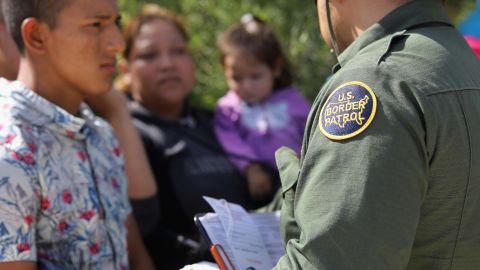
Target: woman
(187,160)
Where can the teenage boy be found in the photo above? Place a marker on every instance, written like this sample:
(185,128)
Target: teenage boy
(63,194)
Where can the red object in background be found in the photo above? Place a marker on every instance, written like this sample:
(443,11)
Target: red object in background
(474,43)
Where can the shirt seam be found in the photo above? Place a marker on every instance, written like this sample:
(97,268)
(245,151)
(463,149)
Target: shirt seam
(468,181)
(449,91)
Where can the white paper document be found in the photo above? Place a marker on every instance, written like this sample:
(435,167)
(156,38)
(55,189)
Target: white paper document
(251,240)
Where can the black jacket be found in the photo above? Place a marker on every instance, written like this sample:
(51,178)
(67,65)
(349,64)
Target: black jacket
(188,163)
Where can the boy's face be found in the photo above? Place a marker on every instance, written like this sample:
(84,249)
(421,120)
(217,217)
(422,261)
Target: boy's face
(82,47)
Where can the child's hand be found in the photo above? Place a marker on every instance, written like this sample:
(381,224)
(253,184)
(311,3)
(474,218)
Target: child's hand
(259,182)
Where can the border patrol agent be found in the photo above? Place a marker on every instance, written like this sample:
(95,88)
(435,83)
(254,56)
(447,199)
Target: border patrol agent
(389,175)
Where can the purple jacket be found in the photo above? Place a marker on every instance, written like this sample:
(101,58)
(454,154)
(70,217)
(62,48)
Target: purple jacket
(254,132)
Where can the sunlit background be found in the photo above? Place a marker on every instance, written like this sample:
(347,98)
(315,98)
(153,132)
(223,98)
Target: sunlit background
(295,23)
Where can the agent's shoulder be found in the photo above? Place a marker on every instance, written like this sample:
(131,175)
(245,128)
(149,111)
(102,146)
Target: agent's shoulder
(428,62)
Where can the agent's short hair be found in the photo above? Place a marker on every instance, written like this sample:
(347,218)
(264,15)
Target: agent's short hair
(15,12)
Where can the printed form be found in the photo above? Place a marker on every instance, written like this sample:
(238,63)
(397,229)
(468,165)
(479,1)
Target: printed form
(242,235)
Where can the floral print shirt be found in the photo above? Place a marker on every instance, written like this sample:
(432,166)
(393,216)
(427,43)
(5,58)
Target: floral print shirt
(63,193)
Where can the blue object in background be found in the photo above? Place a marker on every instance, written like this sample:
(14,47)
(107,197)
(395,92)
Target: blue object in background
(471,25)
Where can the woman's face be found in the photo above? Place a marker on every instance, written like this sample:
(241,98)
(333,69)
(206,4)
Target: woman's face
(161,67)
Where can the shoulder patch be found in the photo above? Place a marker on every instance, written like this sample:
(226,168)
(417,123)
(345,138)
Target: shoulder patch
(348,111)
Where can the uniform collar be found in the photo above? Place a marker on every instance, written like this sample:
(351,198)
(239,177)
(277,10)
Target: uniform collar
(413,13)
(38,111)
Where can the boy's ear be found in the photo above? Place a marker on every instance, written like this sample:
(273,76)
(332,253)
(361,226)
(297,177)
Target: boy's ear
(34,35)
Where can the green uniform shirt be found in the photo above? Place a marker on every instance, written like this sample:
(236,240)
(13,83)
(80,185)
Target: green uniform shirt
(403,192)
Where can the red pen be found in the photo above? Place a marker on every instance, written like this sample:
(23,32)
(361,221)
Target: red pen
(221,257)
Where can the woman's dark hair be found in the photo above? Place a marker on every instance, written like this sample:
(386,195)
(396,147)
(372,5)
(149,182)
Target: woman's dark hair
(254,36)
(149,13)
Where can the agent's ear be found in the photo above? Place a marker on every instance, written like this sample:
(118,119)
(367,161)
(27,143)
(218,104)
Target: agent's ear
(34,34)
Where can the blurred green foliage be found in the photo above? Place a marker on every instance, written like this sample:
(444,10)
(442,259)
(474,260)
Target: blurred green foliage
(295,23)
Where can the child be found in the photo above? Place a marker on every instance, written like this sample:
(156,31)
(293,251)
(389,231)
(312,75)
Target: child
(262,111)
(63,189)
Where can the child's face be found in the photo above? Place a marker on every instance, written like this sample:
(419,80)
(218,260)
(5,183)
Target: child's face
(161,66)
(251,79)
(81,49)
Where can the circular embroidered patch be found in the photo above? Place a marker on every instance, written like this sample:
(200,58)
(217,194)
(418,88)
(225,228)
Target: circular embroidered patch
(348,111)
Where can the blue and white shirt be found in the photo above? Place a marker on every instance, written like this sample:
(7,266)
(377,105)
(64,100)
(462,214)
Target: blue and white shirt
(63,190)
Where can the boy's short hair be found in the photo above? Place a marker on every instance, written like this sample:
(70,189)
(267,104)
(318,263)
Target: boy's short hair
(15,12)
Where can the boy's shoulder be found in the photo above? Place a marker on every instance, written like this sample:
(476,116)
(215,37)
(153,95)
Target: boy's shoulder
(15,131)
(100,125)
(18,148)
(30,121)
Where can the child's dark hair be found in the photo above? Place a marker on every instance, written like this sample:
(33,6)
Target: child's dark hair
(256,37)
(15,12)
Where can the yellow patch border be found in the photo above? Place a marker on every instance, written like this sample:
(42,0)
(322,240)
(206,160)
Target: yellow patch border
(370,118)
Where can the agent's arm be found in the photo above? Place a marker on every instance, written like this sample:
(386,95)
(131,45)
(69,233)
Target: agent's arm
(355,203)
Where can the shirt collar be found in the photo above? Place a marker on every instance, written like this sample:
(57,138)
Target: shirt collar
(41,112)
(413,13)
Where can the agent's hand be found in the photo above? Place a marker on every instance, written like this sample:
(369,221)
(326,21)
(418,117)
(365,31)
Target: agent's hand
(259,182)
